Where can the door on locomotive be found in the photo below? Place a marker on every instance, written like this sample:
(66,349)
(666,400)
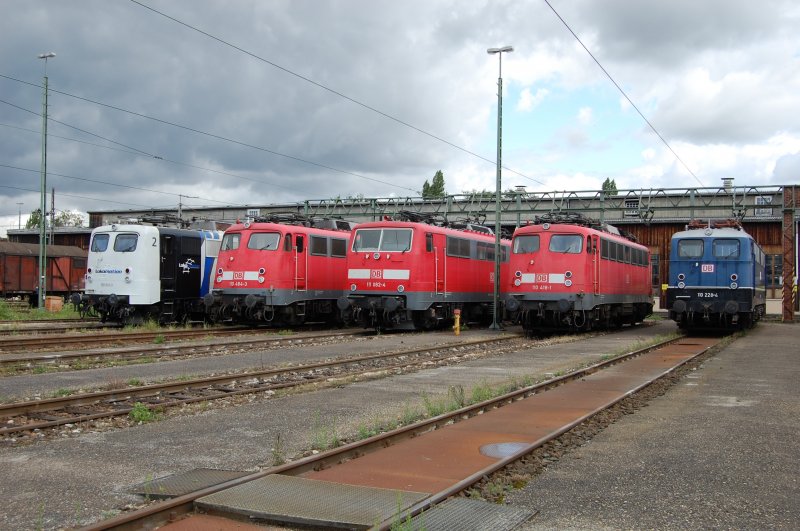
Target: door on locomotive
(436,244)
(300,263)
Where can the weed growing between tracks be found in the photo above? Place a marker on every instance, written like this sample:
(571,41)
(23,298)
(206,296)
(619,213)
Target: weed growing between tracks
(143,414)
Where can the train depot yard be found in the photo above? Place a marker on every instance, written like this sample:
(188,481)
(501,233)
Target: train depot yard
(661,466)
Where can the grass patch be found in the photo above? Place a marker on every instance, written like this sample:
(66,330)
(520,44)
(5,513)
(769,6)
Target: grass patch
(141,413)
(17,313)
(323,436)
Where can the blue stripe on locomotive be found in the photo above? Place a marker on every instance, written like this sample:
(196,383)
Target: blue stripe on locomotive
(709,271)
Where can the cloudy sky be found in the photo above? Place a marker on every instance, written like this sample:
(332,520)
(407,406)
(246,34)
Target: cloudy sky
(264,101)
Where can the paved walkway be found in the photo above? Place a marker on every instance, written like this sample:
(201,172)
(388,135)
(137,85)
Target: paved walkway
(718,451)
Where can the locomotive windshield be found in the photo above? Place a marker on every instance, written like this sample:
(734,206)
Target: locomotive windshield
(99,243)
(725,248)
(566,243)
(382,240)
(526,244)
(125,243)
(690,249)
(264,241)
(230,241)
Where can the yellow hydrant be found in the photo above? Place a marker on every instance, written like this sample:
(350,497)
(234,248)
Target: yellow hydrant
(457,326)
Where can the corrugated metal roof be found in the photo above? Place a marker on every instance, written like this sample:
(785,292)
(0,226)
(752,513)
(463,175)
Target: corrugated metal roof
(32,249)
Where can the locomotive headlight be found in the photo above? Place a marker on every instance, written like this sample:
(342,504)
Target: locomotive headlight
(376,256)
(262,271)
(517,282)
(734,285)
(568,274)
(401,288)
(546,226)
(219,278)
(568,283)
(128,279)
(734,277)
(260,280)
(681,285)
(518,274)
(353,287)
(219,271)
(681,276)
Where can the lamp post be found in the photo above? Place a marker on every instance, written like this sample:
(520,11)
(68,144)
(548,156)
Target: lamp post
(19,215)
(43,191)
(496,297)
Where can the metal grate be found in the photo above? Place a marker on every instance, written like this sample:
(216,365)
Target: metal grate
(310,502)
(184,483)
(463,514)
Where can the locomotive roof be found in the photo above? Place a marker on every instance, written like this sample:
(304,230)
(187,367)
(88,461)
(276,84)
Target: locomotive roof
(133,227)
(32,249)
(726,232)
(425,226)
(286,227)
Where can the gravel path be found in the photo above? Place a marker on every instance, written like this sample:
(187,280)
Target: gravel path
(83,478)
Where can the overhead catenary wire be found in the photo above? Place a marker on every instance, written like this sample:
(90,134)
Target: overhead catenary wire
(140,153)
(200,132)
(663,140)
(329,89)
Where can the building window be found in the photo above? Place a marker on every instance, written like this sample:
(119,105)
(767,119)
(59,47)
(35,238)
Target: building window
(774,271)
(631,208)
(656,271)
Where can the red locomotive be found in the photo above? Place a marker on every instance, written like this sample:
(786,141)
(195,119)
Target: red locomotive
(571,273)
(19,270)
(285,269)
(413,275)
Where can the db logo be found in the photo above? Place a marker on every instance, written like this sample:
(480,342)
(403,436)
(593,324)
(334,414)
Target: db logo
(376,273)
(238,275)
(707,268)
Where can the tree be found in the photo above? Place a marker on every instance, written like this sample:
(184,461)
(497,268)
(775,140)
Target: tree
(609,187)
(34,220)
(66,218)
(62,219)
(436,188)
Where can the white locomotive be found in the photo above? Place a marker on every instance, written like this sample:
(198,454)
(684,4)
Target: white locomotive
(138,272)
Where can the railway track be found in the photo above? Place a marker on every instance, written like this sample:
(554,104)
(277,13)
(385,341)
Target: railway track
(42,328)
(407,460)
(16,362)
(29,416)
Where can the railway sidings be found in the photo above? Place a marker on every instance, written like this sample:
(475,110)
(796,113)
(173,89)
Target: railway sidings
(89,475)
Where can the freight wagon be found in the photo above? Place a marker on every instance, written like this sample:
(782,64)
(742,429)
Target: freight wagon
(19,270)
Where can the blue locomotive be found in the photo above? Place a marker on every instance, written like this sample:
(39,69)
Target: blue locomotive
(716,277)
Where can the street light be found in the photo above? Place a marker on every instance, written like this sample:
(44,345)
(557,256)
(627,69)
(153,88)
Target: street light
(496,297)
(19,215)
(43,191)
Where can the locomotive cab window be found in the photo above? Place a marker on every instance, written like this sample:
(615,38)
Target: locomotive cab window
(382,240)
(526,244)
(725,248)
(125,243)
(230,241)
(99,243)
(264,241)
(690,249)
(566,243)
